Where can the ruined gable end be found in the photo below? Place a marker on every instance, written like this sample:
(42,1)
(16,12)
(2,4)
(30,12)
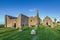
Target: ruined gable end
(47,21)
(10,21)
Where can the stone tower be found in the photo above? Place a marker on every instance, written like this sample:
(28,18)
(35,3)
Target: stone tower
(34,20)
(37,13)
(37,18)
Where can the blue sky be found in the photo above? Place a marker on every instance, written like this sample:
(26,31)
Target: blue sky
(49,8)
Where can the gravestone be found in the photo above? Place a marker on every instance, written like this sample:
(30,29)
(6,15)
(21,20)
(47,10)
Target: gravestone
(20,29)
(33,32)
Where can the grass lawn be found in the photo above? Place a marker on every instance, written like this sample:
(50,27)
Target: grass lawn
(43,33)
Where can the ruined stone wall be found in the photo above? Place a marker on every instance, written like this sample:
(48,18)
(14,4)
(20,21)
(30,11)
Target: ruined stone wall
(24,20)
(9,22)
(41,22)
(18,22)
(47,20)
(37,21)
(6,20)
(58,23)
(33,21)
(13,21)
(53,24)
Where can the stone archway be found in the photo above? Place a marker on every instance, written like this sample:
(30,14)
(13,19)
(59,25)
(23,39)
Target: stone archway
(46,23)
(14,25)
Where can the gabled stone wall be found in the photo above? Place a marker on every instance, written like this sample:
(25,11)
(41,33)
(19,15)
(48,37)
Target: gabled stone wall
(47,21)
(9,21)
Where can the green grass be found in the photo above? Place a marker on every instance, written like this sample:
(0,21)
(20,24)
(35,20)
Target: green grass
(43,33)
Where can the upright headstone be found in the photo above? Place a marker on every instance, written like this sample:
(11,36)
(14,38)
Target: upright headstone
(20,29)
(33,32)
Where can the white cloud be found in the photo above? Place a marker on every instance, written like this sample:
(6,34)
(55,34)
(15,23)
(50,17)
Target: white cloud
(32,10)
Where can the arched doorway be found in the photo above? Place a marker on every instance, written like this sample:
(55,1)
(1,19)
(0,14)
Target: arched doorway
(14,25)
(46,23)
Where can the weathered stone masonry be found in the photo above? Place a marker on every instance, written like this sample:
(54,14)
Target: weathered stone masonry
(22,20)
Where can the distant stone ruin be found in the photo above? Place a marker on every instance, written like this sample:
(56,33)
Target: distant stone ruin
(22,20)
